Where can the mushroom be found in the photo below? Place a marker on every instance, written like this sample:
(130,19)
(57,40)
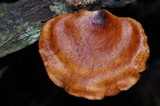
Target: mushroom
(93,54)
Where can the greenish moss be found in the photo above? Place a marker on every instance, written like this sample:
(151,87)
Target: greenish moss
(59,8)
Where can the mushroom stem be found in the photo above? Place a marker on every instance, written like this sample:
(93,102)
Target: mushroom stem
(99,17)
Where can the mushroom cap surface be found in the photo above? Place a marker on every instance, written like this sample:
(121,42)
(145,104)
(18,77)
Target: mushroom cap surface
(93,54)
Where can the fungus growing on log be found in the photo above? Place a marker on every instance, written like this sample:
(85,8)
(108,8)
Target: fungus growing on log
(93,54)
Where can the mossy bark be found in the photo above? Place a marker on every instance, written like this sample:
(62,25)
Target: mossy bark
(21,22)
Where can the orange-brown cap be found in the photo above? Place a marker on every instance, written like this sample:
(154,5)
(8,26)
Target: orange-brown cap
(93,54)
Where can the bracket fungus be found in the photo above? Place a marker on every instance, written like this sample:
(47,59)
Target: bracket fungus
(93,54)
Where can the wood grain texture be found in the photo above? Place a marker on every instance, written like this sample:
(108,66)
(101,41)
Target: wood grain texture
(21,23)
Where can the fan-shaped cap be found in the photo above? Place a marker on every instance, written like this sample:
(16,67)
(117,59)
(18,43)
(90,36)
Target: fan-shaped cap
(93,54)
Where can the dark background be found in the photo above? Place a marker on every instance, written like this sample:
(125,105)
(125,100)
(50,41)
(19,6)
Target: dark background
(25,82)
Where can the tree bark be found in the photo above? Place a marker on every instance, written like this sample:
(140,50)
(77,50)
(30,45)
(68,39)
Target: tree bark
(21,21)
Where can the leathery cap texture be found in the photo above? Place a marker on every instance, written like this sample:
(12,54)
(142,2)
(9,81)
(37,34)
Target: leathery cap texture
(93,54)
